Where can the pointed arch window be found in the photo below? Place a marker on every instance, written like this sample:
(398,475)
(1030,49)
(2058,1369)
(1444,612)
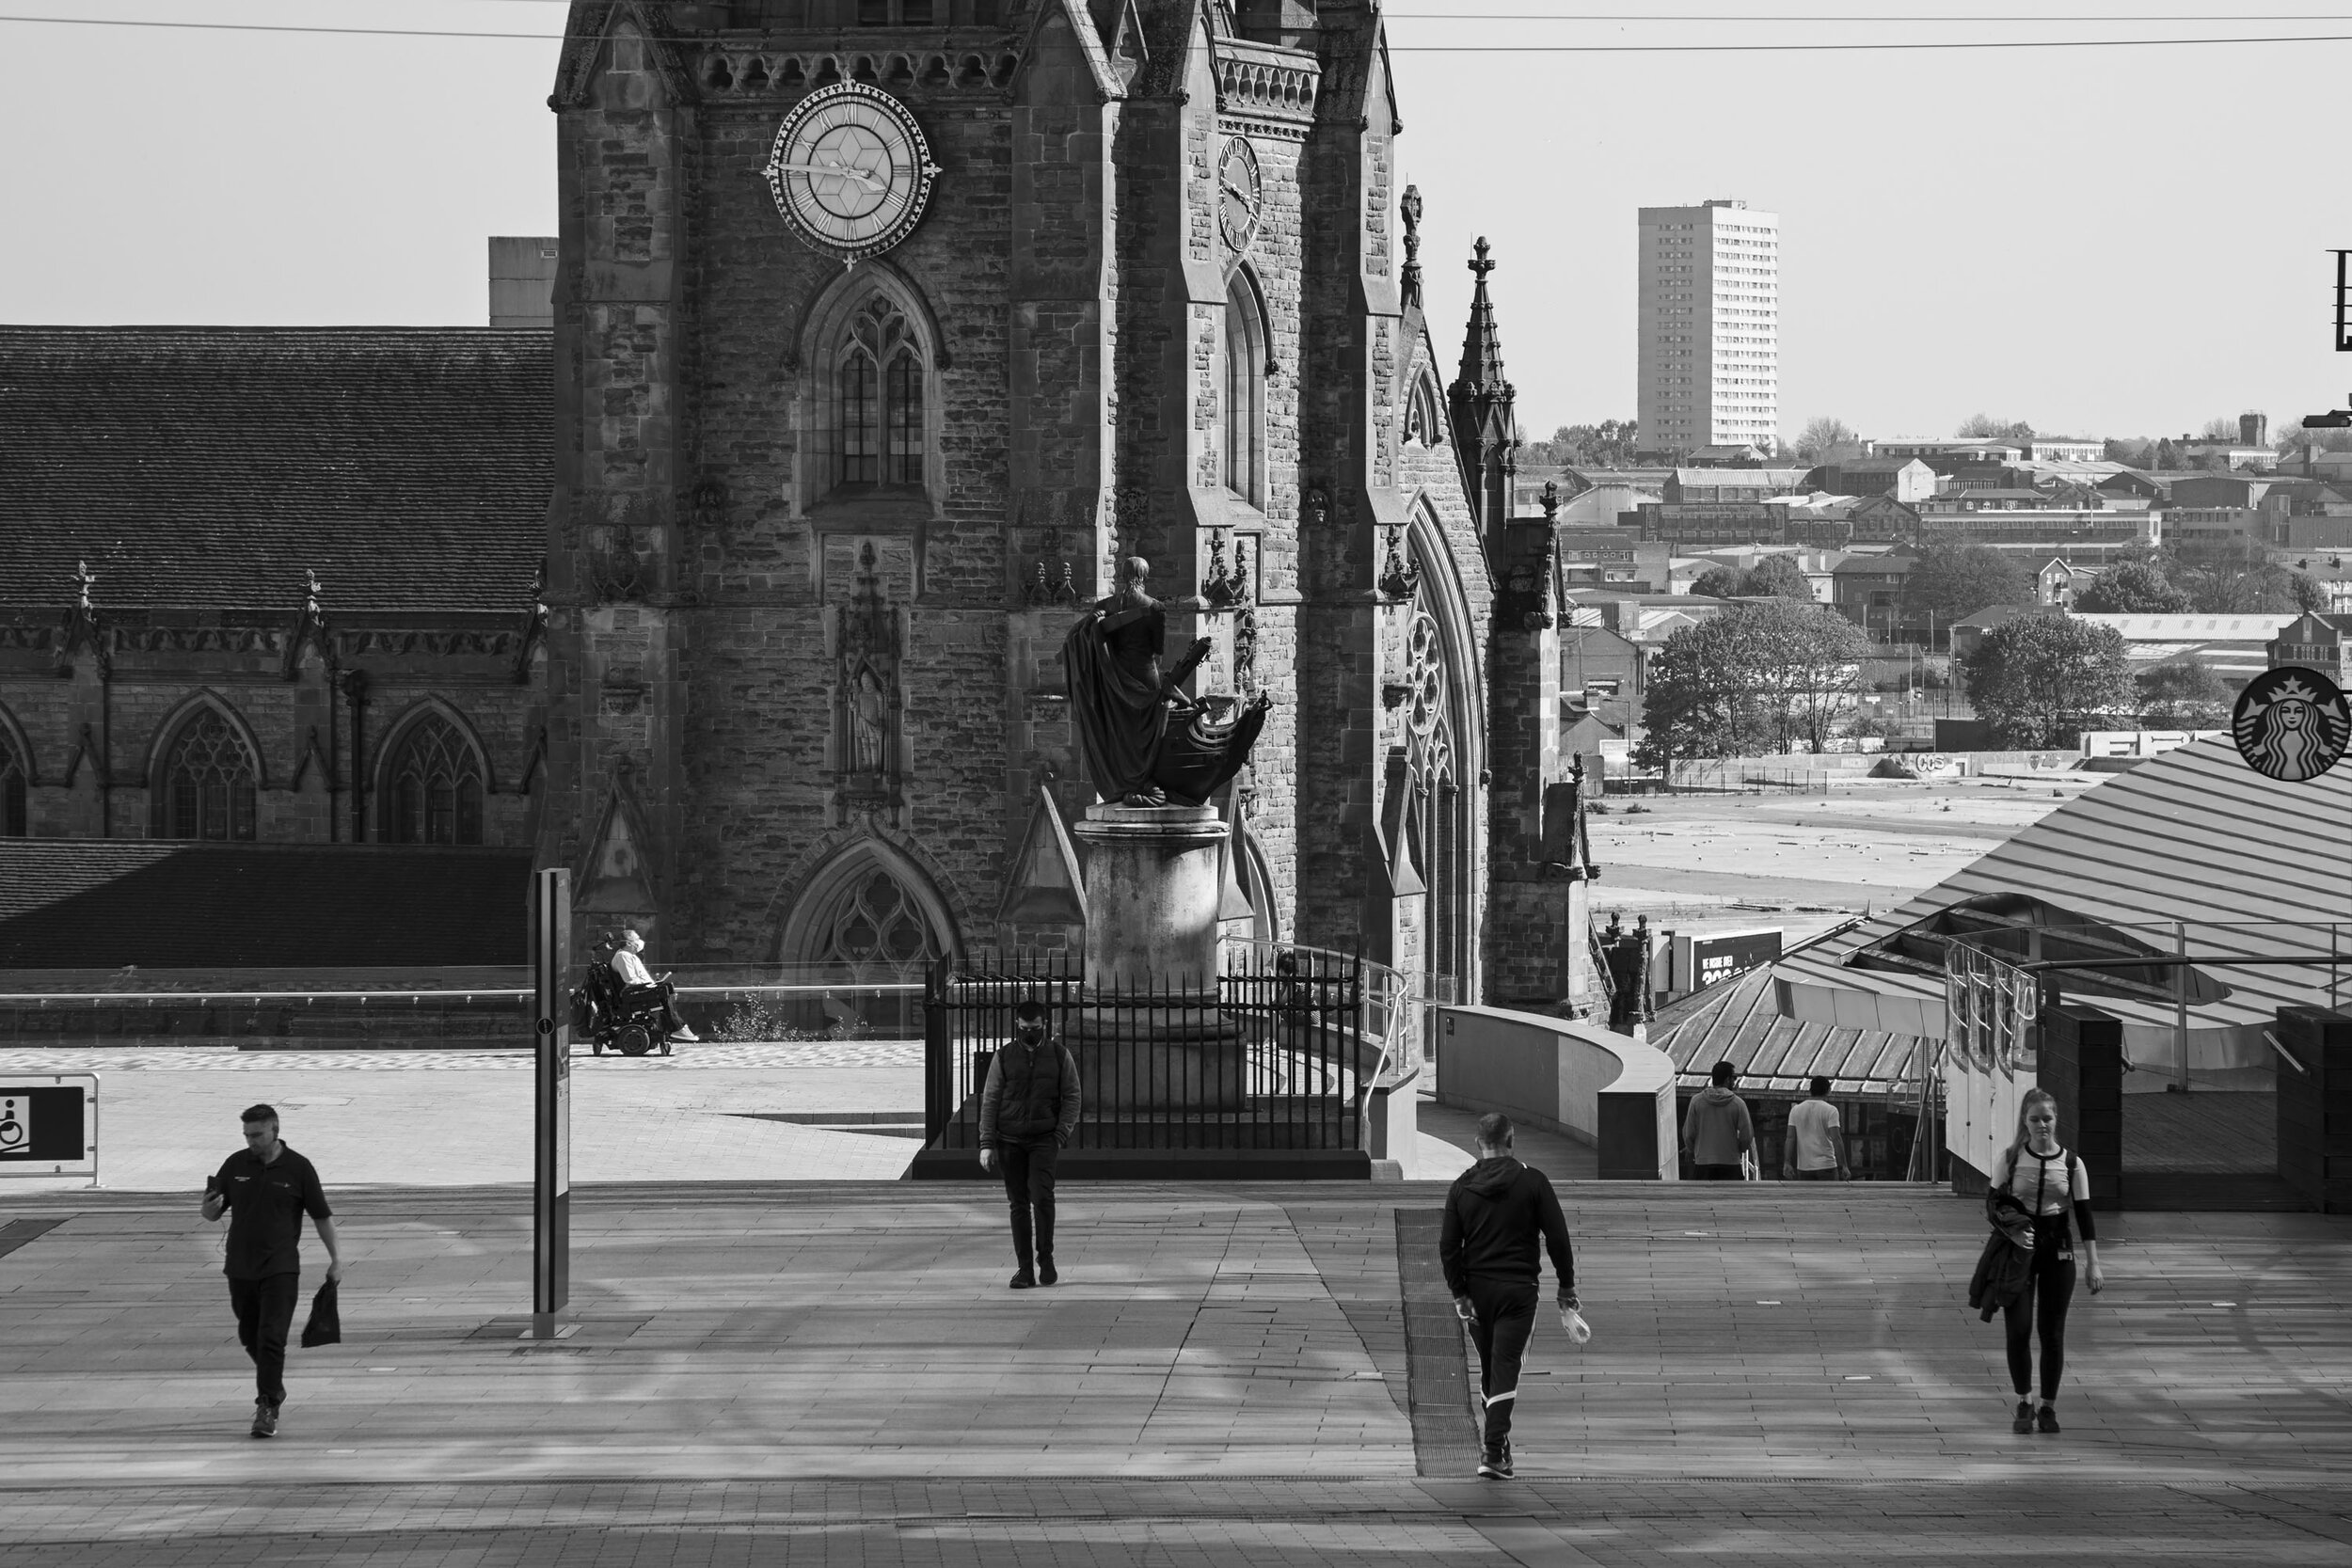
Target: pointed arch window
(209,781)
(875,925)
(15,774)
(879,388)
(1245,392)
(436,793)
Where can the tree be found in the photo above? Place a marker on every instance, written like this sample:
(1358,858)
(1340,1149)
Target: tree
(1779,576)
(1606,444)
(2221,427)
(1773,577)
(2135,588)
(2037,681)
(2132,454)
(2184,696)
(1953,580)
(1719,583)
(1984,426)
(2236,576)
(1820,441)
(1759,676)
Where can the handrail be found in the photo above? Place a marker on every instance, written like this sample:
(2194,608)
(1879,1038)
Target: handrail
(489,994)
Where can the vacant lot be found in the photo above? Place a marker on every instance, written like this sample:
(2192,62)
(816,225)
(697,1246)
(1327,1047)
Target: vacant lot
(1804,861)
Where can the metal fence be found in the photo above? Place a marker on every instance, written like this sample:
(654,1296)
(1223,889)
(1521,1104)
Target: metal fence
(1280,1056)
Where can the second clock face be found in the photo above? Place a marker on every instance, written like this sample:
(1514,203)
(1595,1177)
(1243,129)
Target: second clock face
(850,171)
(1241,193)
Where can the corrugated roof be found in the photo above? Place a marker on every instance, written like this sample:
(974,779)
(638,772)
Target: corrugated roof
(2193,835)
(206,466)
(1735,1021)
(104,903)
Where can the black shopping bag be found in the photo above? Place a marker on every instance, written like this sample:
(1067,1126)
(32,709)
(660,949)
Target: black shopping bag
(326,1327)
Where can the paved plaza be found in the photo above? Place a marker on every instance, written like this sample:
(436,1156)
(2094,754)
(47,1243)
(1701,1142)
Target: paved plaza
(1252,1373)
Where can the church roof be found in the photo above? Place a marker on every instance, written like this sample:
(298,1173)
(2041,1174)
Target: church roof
(104,903)
(213,465)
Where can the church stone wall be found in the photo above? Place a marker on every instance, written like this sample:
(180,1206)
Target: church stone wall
(162,666)
(1071,282)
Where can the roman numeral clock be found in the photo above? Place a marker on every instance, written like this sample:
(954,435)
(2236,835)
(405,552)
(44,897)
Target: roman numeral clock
(850,171)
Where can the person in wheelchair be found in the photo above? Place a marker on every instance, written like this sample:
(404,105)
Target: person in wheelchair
(642,989)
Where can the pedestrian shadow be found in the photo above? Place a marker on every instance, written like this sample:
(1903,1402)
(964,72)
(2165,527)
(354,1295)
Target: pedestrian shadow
(1445,1433)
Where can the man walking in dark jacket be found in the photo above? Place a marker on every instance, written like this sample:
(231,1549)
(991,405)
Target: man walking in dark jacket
(1493,1215)
(1028,1110)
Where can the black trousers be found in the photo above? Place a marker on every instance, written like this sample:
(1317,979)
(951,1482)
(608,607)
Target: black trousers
(1028,1168)
(662,992)
(1504,1318)
(265,1309)
(1717,1173)
(2040,1306)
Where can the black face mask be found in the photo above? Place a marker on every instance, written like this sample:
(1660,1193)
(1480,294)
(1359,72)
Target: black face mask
(1032,1033)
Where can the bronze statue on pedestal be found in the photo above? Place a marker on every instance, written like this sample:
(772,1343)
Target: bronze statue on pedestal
(1146,743)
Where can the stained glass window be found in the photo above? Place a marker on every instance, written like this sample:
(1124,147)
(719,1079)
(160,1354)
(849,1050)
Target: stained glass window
(1245,390)
(882,370)
(435,787)
(905,466)
(14,772)
(208,782)
(860,420)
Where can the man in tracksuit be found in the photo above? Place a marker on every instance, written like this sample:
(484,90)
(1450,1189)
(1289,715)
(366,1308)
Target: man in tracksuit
(1028,1110)
(1493,1215)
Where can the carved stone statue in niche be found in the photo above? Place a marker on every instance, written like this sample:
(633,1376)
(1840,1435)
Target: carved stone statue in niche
(866,705)
(1147,743)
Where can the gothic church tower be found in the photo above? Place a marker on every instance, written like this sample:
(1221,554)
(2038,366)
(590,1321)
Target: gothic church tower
(884,329)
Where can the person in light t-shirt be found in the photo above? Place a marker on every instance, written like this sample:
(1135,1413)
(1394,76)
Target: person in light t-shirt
(629,964)
(1815,1148)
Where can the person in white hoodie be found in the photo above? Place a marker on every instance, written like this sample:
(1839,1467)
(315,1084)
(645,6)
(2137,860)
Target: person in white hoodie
(1717,1131)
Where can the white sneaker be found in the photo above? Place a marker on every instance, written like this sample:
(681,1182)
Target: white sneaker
(686,1035)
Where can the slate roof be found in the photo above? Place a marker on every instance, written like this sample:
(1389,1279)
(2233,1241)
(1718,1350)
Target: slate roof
(104,903)
(210,465)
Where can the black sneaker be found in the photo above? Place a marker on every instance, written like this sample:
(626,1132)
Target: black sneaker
(2024,1417)
(1045,1273)
(265,1419)
(1496,1466)
(2046,1419)
(1024,1280)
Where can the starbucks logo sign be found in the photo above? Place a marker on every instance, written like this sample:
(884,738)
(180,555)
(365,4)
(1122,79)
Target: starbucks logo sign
(2291,723)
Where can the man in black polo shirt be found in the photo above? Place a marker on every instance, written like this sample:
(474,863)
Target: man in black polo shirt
(266,1188)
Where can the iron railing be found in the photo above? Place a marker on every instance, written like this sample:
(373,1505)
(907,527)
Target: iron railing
(1283,1054)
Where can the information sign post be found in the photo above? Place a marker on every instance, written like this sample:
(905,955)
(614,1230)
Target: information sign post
(49,1125)
(552,1158)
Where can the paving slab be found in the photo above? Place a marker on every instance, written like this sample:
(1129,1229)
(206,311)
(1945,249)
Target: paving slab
(1230,1373)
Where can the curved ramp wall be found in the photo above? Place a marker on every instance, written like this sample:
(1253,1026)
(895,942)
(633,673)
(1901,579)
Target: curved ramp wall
(1566,1076)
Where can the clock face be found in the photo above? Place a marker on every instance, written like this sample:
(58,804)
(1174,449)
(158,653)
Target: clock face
(1241,193)
(850,170)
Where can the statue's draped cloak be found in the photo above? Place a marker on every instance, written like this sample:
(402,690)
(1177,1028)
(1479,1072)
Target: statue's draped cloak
(1112,660)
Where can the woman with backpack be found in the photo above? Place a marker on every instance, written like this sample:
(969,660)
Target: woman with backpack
(2050,1186)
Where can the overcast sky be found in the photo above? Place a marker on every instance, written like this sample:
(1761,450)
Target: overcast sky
(2109,240)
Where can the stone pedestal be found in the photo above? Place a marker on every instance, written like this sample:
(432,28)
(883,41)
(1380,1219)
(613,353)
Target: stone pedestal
(1152,898)
(1157,1041)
